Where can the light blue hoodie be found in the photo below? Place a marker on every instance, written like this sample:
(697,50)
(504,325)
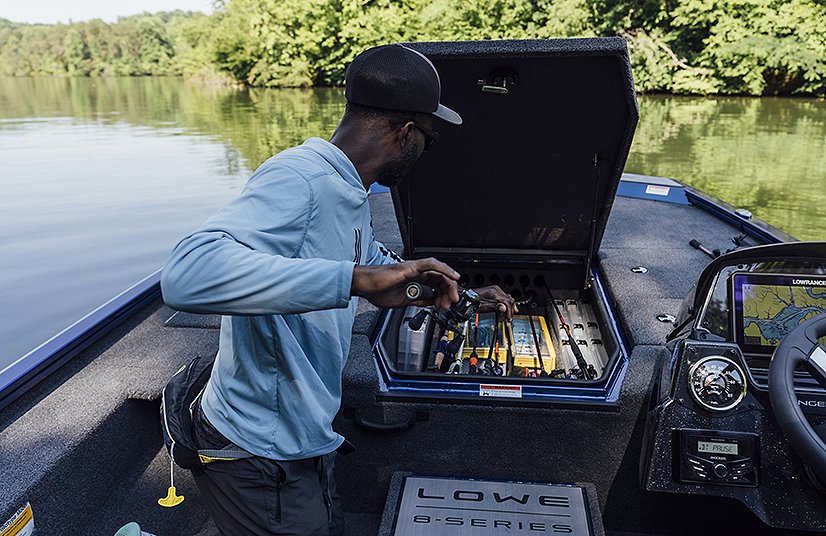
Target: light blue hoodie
(278,262)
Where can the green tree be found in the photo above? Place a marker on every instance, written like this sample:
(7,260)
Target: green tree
(74,53)
(759,47)
(234,46)
(156,52)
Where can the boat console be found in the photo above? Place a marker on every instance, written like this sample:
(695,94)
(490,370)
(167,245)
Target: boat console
(731,414)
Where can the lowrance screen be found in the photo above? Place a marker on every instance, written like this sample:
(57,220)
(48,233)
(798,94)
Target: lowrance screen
(768,306)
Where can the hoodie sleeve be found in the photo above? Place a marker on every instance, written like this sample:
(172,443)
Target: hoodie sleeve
(377,254)
(242,261)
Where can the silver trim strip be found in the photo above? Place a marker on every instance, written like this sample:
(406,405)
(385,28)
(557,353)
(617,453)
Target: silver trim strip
(818,360)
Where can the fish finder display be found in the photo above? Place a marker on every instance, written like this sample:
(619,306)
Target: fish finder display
(769,306)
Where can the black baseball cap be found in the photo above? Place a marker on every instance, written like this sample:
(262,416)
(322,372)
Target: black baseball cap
(394,77)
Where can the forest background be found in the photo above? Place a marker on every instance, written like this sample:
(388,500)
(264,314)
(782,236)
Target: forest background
(740,47)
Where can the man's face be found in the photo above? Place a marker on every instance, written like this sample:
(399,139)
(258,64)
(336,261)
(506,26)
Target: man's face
(395,171)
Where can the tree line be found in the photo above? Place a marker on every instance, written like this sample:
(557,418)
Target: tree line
(743,47)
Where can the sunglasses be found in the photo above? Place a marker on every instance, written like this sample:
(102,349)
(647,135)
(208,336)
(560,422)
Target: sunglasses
(430,136)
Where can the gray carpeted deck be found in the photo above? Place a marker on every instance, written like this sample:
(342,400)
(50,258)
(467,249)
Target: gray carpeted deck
(84,447)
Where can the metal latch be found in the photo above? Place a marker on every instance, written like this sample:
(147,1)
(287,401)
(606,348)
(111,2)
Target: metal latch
(500,82)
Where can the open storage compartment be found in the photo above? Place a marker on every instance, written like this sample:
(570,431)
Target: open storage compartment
(518,196)
(407,358)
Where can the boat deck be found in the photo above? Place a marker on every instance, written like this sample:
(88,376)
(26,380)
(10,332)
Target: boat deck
(84,446)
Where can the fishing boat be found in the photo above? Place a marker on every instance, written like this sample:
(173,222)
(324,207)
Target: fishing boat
(649,385)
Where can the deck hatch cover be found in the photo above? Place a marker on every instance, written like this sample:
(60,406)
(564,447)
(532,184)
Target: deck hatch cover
(527,154)
(432,506)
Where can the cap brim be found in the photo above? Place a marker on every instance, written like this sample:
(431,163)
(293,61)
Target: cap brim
(443,112)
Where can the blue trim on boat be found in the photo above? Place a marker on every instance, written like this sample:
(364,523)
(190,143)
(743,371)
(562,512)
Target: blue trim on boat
(671,191)
(622,339)
(753,227)
(652,188)
(24,373)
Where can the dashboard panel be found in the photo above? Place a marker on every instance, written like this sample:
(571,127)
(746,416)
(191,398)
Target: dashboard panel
(710,428)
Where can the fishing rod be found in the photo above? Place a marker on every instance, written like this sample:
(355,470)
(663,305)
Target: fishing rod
(509,359)
(536,341)
(580,360)
(441,351)
(697,245)
(452,318)
(473,358)
(493,339)
(494,343)
(498,369)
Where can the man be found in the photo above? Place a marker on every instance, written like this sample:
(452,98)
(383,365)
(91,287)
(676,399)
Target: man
(284,264)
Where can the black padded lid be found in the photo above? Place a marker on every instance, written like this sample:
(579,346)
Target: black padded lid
(519,176)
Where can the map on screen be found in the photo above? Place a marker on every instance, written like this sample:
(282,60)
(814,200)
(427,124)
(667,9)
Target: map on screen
(769,306)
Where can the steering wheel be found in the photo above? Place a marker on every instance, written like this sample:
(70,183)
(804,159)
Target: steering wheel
(797,348)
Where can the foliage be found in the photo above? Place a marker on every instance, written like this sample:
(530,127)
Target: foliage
(756,47)
(139,45)
(751,47)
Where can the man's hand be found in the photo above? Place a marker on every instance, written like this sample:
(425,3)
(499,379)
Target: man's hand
(383,286)
(496,299)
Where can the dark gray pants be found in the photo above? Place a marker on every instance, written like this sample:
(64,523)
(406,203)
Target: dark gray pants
(263,497)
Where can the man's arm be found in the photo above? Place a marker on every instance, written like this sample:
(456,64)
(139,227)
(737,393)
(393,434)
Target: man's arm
(377,254)
(210,272)
(240,261)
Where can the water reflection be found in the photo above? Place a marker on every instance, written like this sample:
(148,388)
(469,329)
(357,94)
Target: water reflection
(256,122)
(766,155)
(89,209)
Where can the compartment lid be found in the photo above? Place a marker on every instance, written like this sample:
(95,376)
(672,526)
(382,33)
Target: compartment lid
(535,166)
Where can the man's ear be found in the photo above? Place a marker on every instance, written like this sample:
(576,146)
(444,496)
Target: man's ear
(404,133)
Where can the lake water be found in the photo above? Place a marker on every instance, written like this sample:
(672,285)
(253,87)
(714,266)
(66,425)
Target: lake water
(101,177)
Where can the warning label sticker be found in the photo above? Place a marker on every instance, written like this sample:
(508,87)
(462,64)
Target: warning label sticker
(20,524)
(501,391)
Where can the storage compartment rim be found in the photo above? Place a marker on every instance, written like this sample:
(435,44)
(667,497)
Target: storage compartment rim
(608,387)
